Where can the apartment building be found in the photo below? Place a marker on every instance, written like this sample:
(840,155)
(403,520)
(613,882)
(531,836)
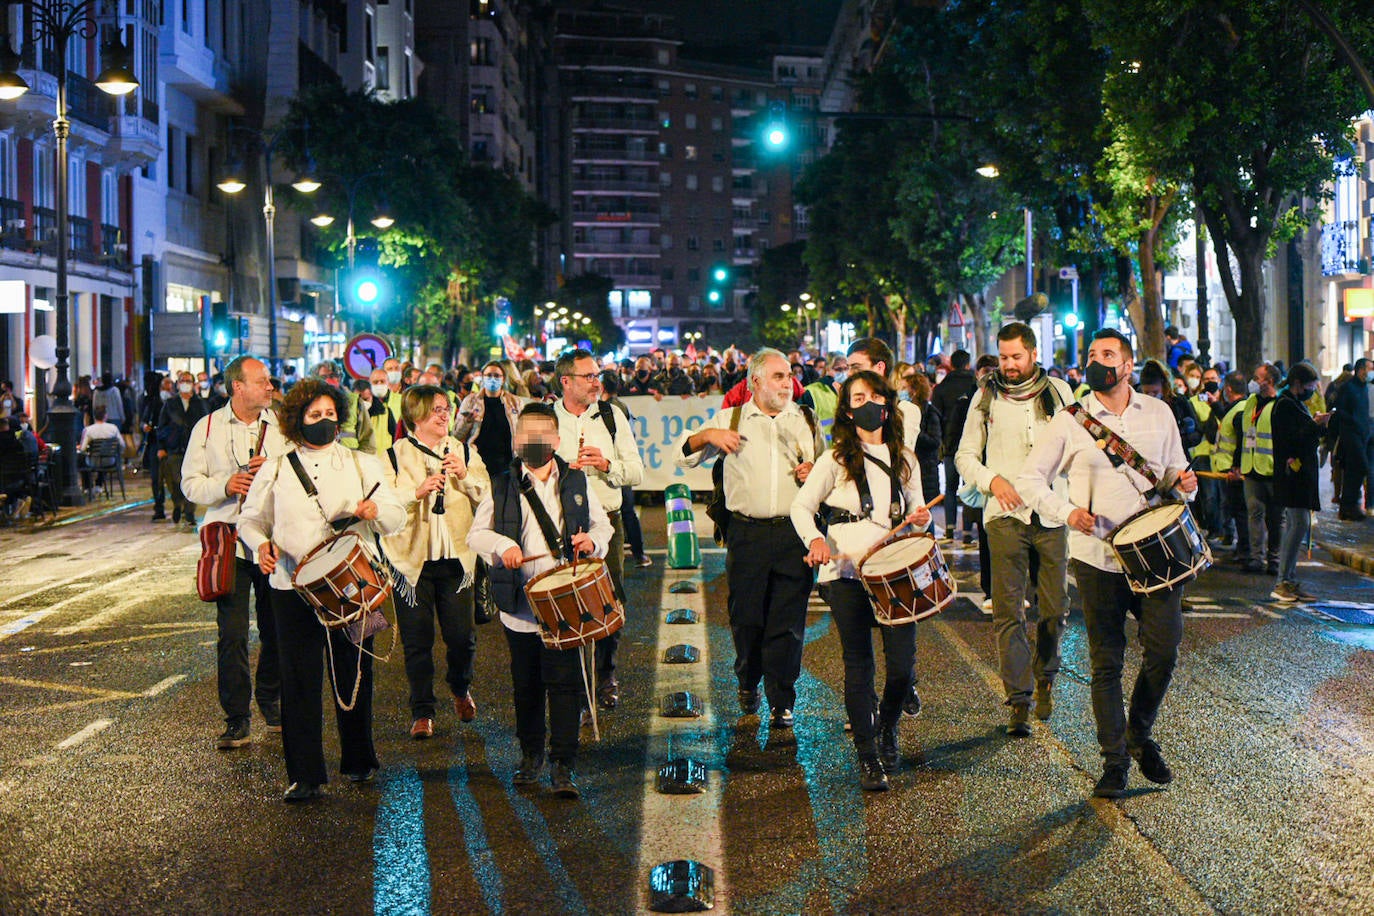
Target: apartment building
(673,194)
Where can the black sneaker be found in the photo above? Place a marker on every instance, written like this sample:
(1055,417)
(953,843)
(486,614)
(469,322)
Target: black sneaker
(1018,723)
(911,706)
(176,517)
(561,779)
(237,734)
(158,517)
(887,748)
(608,694)
(871,775)
(272,716)
(530,769)
(301,792)
(783,718)
(1152,765)
(1113,781)
(748,701)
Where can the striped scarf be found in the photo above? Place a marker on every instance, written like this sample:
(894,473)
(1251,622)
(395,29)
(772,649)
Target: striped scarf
(1037,386)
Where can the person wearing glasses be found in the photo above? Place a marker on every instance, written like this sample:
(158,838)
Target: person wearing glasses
(486,418)
(440,483)
(596,437)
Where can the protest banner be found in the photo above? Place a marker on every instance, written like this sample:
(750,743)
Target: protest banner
(659,426)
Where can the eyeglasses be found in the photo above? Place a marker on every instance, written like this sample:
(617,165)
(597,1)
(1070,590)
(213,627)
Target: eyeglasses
(589,378)
(442,411)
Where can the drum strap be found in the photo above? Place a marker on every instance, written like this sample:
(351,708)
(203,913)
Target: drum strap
(1118,450)
(541,515)
(895,508)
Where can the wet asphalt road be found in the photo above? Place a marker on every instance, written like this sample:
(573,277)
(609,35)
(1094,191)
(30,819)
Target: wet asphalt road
(113,799)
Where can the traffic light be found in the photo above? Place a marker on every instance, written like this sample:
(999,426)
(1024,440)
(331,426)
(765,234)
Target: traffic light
(720,284)
(221,331)
(776,135)
(365,289)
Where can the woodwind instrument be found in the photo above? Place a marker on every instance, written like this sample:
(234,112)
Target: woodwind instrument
(255,450)
(439,499)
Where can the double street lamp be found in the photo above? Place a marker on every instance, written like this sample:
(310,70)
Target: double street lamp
(233,183)
(52,24)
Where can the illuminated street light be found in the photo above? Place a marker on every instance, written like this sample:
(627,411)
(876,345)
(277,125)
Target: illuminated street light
(988,171)
(324,219)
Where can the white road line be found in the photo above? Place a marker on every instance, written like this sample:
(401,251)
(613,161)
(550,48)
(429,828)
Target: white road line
(18,626)
(163,684)
(95,728)
(1260,609)
(104,617)
(1223,615)
(42,588)
(682,826)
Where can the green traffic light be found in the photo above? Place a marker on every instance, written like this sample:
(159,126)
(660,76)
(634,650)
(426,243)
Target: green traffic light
(502,329)
(713,295)
(720,274)
(367,292)
(776,137)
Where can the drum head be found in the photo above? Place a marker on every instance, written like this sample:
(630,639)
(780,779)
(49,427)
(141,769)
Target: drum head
(561,577)
(1151,521)
(325,560)
(900,554)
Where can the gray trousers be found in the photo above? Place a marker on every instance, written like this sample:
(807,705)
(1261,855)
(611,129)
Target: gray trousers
(1010,545)
(1264,515)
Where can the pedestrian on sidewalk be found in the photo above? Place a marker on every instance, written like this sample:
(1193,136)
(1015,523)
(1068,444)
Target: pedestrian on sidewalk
(1296,435)
(1352,414)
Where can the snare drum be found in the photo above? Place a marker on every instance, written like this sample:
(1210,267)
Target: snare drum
(908,579)
(337,579)
(1159,547)
(575,604)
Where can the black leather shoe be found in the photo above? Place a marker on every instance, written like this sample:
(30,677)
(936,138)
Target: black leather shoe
(608,694)
(272,716)
(365,776)
(748,701)
(911,706)
(1018,724)
(302,792)
(871,775)
(887,748)
(1113,781)
(1152,765)
(561,779)
(783,718)
(158,517)
(530,769)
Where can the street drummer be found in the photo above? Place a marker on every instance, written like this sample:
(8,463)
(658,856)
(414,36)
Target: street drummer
(1007,414)
(1106,487)
(281,523)
(539,514)
(865,486)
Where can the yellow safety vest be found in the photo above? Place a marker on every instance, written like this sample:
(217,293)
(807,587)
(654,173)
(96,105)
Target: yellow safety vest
(1082,389)
(1204,413)
(825,399)
(1224,456)
(1257,434)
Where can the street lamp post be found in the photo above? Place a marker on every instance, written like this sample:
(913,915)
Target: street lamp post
(233,184)
(58,22)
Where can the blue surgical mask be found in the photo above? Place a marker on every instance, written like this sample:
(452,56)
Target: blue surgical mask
(904,395)
(492,384)
(1253,387)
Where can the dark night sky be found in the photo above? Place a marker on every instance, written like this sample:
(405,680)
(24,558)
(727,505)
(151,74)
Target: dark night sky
(748,23)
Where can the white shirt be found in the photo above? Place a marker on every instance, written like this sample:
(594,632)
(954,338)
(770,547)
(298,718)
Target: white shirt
(1113,494)
(626,467)
(101,430)
(911,423)
(829,483)
(759,478)
(278,508)
(220,446)
(490,544)
(1010,432)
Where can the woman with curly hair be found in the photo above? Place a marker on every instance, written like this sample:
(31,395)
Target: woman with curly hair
(281,522)
(867,485)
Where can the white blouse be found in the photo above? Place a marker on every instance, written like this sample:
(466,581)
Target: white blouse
(848,541)
(278,509)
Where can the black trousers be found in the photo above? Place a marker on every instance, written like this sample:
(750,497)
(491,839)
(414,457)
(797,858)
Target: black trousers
(538,672)
(1107,599)
(769,581)
(615,563)
(302,642)
(852,611)
(235,676)
(1354,470)
(634,534)
(155,478)
(437,597)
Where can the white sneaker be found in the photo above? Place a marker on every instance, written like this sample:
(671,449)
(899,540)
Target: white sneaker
(987,606)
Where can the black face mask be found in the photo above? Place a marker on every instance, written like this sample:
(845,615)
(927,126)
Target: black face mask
(1100,377)
(869,416)
(536,454)
(320,433)
(1211,387)
(642,374)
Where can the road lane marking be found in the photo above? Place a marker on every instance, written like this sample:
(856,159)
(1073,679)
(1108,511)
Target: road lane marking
(1220,615)
(104,617)
(1261,609)
(43,588)
(96,644)
(90,731)
(1182,895)
(24,623)
(682,826)
(163,684)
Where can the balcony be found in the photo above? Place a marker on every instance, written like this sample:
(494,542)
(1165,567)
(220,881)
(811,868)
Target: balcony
(613,154)
(585,185)
(114,251)
(88,108)
(584,217)
(1341,249)
(134,141)
(640,125)
(590,248)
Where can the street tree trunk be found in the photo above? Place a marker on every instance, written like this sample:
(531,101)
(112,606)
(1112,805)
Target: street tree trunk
(976,312)
(1246,301)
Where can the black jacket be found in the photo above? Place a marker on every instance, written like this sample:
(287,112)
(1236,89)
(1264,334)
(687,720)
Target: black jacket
(175,422)
(1296,436)
(959,383)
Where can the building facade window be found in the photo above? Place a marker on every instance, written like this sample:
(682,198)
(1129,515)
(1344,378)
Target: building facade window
(691,182)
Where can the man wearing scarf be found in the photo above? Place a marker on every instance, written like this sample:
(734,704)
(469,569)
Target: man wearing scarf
(1006,415)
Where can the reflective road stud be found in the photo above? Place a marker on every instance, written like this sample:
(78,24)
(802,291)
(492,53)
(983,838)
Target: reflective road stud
(681,654)
(682,886)
(684,552)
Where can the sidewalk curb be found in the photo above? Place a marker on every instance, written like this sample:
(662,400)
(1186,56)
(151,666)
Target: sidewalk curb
(1353,559)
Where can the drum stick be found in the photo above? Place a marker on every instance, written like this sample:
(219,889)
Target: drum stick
(1213,475)
(936,501)
(537,556)
(372,491)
